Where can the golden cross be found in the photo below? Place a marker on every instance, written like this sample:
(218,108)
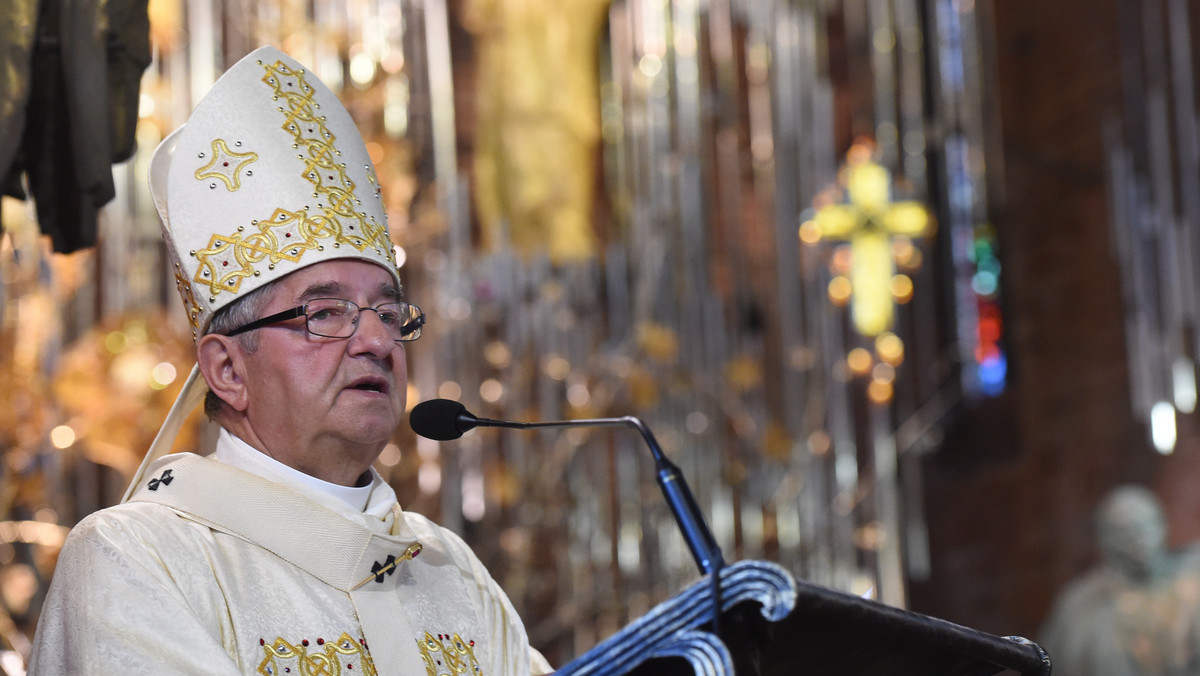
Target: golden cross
(869,222)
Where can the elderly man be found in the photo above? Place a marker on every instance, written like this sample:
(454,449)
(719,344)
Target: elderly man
(283,552)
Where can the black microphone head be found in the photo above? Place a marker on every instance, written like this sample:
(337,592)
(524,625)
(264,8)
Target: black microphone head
(438,419)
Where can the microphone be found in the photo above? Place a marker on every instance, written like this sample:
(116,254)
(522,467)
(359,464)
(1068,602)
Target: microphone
(443,420)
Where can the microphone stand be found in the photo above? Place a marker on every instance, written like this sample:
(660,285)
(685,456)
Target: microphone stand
(674,489)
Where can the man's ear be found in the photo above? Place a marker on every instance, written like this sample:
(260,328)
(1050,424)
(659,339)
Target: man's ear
(222,364)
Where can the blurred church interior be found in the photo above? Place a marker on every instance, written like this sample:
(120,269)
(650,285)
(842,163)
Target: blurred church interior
(903,286)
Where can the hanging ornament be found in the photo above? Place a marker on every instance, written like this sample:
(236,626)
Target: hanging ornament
(879,235)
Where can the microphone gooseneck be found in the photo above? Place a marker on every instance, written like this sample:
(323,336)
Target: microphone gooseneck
(683,505)
(443,420)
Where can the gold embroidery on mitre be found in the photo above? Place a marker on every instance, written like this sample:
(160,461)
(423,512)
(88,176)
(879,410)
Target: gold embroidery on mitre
(285,236)
(349,225)
(448,655)
(375,186)
(335,217)
(328,658)
(189,299)
(226,165)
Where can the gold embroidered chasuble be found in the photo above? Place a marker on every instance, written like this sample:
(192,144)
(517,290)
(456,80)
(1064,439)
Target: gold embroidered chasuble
(209,569)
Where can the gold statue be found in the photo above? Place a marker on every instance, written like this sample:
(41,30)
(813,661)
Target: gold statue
(539,123)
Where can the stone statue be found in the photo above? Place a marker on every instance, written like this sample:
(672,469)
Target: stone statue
(1135,613)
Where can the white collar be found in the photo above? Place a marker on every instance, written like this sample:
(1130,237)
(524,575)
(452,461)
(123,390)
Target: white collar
(233,451)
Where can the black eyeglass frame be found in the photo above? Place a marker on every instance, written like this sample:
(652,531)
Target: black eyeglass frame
(302,311)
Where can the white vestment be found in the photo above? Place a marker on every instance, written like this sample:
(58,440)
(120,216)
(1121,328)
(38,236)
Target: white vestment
(210,569)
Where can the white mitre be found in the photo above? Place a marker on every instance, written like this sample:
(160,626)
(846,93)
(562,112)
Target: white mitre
(268,175)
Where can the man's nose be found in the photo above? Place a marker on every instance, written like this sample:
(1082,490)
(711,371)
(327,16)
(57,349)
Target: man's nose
(372,335)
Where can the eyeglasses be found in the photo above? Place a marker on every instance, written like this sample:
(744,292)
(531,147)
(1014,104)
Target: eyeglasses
(338,318)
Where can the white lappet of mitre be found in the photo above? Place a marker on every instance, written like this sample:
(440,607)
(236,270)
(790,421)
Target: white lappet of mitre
(268,175)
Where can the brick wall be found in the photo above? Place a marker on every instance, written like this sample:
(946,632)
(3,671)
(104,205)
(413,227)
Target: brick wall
(1010,495)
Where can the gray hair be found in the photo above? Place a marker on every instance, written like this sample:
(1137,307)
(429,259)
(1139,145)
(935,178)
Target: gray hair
(238,313)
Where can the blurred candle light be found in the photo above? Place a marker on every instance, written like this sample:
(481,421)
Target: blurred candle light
(883,372)
(1183,377)
(162,374)
(902,288)
(890,348)
(1162,427)
(879,391)
(390,455)
(839,290)
(497,354)
(810,232)
(429,478)
(362,68)
(491,390)
(62,436)
(557,367)
(578,395)
(449,390)
(859,360)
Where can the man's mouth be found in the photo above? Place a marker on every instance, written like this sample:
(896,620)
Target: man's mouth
(370,384)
